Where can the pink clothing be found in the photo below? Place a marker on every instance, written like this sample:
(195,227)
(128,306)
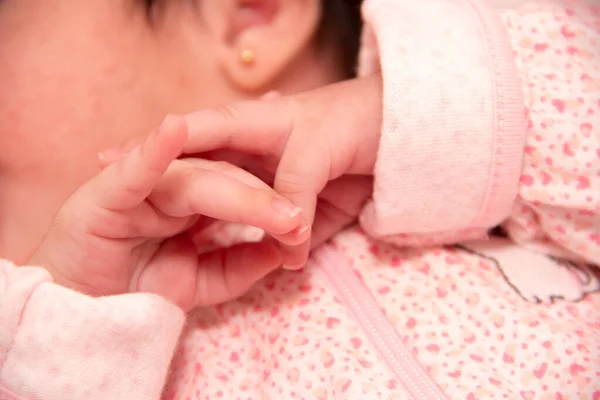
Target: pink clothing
(454,119)
(57,344)
(488,118)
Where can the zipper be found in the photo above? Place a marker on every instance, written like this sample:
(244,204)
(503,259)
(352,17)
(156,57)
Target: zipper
(380,332)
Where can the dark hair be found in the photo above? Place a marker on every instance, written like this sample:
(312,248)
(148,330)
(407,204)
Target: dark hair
(342,19)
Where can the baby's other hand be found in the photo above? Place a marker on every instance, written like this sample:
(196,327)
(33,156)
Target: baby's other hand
(318,148)
(126,229)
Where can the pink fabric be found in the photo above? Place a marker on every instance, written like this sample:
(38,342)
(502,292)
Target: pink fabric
(56,344)
(558,58)
(493,319)
(478,334)
(453,119)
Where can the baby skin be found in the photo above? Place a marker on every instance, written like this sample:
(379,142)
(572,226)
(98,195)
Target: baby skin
(126,229)
(129,228)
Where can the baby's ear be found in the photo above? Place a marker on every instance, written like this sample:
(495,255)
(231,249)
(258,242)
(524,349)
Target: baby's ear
(259,39)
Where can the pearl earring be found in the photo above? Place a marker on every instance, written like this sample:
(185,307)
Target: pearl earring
(247,57)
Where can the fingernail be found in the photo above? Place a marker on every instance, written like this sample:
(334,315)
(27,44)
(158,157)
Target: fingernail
(168,122)
(284,207)
(110,154)
(303,228)
(271,95)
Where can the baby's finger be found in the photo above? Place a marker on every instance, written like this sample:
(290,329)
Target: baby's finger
(187,191)
(339,206)
(225,168)
(226,274)
(300,179)
(295,238)
(127,182)
(254,127)
(109,156)
(190,280)
(272,95)
(298,236)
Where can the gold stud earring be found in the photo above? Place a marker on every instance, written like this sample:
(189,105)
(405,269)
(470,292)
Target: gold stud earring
(247,57)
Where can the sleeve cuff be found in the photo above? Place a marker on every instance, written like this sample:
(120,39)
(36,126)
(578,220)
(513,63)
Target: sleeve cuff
(58,344)
(453,128)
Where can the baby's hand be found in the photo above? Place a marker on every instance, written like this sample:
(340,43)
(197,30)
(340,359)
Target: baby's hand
(319,147)
(126,229)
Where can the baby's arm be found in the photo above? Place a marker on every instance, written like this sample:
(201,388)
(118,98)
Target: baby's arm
(57,344)
(439,162)
(488,117)
(126,230)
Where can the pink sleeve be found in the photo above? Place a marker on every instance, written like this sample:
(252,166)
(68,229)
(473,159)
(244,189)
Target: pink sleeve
(56,344)
(558,56)
(453,120)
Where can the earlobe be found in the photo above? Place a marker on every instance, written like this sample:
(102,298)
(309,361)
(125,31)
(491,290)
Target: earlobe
(264,37)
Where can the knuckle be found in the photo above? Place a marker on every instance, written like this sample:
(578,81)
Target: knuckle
(293,183)
(189,175)
(227,112)
(176,200)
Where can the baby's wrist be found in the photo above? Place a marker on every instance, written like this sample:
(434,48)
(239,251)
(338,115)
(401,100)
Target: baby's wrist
(39,259)
(45,258)
(370,89)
